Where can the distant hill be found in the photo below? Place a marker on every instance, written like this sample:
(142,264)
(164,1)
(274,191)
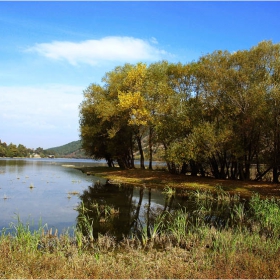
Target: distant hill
(70,150)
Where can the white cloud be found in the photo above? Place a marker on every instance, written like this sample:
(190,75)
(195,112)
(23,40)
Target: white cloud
(125,49)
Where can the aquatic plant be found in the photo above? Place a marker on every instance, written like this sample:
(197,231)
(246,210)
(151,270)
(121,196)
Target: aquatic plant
(178,225)
(85,226)
(266,212)
(172,246)
(238,213)
(74,193)
(222,195)
(169,191)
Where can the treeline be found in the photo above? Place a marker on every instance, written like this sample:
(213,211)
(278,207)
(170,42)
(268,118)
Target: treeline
(20,150)
(71,150)
(218,115)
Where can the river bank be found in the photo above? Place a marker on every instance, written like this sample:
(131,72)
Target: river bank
(176,246)
(161,179)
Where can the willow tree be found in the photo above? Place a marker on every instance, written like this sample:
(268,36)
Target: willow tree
(156,92)
(132,103)
(111,116)
(103,133)
(269,64)
(179,113)
(231,86)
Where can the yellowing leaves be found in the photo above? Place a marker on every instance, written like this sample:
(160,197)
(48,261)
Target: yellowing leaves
(135,77)
(135,104)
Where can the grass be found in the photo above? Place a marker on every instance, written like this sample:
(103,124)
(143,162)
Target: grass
(169,191)
(177,245)
(161,179)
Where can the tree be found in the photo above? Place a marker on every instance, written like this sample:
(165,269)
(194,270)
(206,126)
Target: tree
(101,129)
(12,150)
(22,151)
(269,64)
(220,114)
(132,102)
(156,90)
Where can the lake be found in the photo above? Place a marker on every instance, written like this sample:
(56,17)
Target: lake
(52,191)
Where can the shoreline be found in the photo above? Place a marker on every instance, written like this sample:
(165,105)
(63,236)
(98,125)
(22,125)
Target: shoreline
(161,179)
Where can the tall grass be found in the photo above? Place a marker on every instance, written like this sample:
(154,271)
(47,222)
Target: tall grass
(266,213)
(179,244)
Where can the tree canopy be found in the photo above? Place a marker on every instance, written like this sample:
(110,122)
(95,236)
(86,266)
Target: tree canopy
(219,115)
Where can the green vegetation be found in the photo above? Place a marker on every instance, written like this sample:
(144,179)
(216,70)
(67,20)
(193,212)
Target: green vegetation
(178,244)
(72,149)
(13,150)
(217,116)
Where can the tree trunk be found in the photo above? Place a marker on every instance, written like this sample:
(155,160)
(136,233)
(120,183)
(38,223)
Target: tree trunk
(150,148)
(194,168)
(184,168)
(260,175)
(142,160)
(275,174)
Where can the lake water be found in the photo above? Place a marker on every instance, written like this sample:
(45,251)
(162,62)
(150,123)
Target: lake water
(43,189)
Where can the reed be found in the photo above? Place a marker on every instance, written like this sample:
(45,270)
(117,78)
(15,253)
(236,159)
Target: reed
(85,226)
(238,214)
(169,191)
(177,244)
(178,225)
(266,212)
(22,234)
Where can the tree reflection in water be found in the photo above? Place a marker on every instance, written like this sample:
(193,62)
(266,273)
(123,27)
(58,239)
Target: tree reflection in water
(118,210)
(125,210)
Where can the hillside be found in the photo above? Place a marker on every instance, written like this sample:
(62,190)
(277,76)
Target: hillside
(70,150)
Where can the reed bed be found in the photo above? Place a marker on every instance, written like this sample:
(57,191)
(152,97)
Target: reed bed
(203,243)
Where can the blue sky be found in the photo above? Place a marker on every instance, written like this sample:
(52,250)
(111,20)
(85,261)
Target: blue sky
(51,51)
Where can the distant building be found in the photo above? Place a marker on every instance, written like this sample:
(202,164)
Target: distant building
(34,155)
(50,156)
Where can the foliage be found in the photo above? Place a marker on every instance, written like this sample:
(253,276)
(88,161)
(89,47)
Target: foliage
(218,115)
(67,150)
(13,150)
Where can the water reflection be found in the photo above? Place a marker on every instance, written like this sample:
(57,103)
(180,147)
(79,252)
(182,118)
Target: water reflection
(108,207)
(38,189)
(115,209)
(122,210)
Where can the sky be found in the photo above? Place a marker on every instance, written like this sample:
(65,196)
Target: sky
(50,52)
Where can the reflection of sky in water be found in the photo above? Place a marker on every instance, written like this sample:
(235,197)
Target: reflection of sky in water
(157,200)
(48,199)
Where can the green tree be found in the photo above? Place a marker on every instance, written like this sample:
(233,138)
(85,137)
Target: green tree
(12,150)
(22,151)
(269,64)
(102,128)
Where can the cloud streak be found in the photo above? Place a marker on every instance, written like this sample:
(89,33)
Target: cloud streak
(93,52)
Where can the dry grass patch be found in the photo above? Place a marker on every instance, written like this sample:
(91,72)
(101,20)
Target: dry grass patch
(159,179)
(134,263)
